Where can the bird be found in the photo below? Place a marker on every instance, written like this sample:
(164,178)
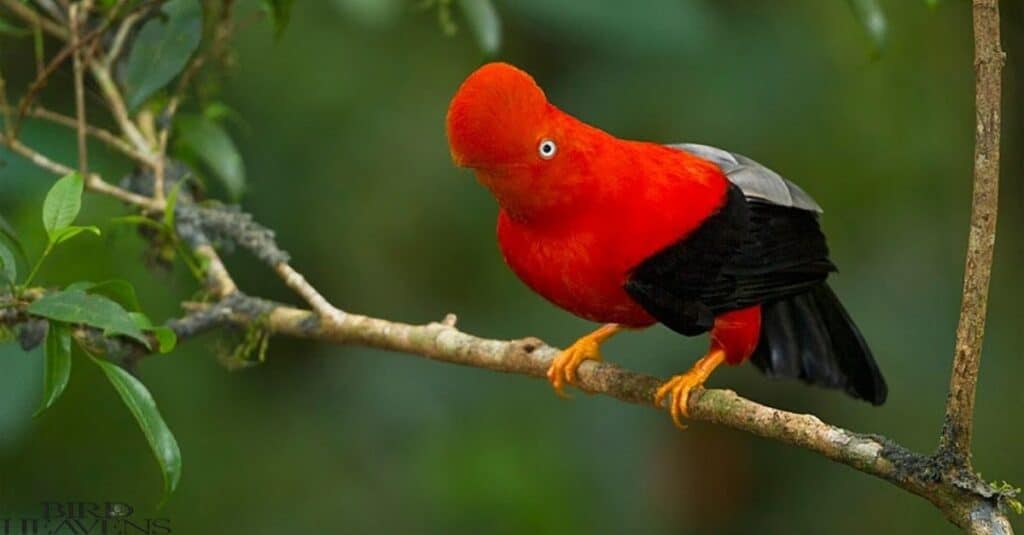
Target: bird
(633,233)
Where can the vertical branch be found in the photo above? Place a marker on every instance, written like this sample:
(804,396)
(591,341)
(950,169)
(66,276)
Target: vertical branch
(76,18)
(988,63)
(5,108)
(165,121)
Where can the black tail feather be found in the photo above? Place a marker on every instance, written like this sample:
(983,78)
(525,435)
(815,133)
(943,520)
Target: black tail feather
(811,337)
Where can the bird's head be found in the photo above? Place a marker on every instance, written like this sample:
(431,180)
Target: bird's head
(499,117)
(502,126)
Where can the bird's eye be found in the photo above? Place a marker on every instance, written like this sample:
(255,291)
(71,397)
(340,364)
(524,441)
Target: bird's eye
(547,149)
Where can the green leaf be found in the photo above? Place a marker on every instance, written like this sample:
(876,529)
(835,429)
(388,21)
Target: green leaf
(38,43)
(870,15)
(142,406)
(67,233)
(9,240)
(161,50)
(8,266)
(212,144)
(139,220)
(280,13)
(76,306)
(62,203)
(484,22)
(166,339)
(117,290)
(57,366)
(7,230)
(172,203)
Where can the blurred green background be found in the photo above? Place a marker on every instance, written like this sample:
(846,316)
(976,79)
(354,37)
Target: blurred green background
(342,132)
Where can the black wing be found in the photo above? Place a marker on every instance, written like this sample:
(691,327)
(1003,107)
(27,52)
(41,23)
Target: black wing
(750,252)
(763,246)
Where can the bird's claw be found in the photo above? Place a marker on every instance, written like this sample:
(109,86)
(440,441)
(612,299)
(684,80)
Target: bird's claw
(563,369)
(678,388)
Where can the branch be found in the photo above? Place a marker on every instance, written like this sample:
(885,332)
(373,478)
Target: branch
(118,109)
(106,136)
(988,64)
(294,280)
(93,182)
(964,498)
(77,14)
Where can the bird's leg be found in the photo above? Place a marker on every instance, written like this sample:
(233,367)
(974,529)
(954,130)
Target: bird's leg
(563,368)
(733,339)
(681,385)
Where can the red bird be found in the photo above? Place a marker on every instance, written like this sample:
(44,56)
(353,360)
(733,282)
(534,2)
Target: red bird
(630,233)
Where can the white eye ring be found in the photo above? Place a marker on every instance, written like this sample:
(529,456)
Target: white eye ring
(547,149)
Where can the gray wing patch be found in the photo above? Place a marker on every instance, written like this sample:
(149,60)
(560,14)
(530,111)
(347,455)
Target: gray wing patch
(755,180)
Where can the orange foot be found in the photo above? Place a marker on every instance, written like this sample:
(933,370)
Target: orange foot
(681,385)
(563,368)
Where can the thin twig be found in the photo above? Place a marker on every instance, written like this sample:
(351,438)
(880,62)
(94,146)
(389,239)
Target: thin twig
(96,184)
(52,9)
(68,51)
(121,37)
(39,47)
(77,14)
(164,123)
(147,125)
(218,279)
(988,63)
(93,182)
(37,85)
(294,280)
(106,136)
(36,158)
(5,107)
(30,15)
(117,107)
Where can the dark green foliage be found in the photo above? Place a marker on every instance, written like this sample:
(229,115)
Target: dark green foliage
(142,406)
(211,144)
(11,252)
(161,50)
(8,265)
(120,291)
(57,365)
(79,307)
(166,340)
